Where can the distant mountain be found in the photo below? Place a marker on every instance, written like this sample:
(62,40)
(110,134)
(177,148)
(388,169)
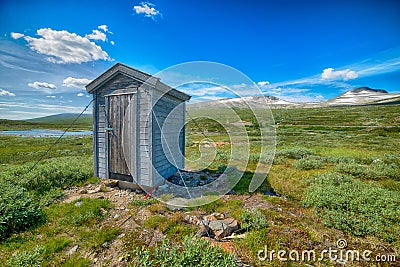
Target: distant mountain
(64,118)
(357,96)
(361,96)
(253,101)
(367,89)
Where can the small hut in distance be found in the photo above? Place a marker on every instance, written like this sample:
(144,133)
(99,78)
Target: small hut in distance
(138,126)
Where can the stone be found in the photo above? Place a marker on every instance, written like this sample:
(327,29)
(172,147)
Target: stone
(83,191)
(112,183)
(116,216)
(218,216)
(103,211)
(96,190)
(234,236)
(203,231)
(73,250)
(223,228)
(375,161)
(231,192)
(210,218)
(77,204)
(191,219)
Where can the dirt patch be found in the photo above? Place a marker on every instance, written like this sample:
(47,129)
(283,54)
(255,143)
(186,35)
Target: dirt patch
(129,219)
(121,215)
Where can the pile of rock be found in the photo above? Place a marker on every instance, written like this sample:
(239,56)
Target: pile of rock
(193,178)
(215,225)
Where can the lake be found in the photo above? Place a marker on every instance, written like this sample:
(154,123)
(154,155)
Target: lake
(43,133)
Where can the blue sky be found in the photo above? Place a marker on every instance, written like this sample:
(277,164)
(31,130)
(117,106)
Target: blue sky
(296,50)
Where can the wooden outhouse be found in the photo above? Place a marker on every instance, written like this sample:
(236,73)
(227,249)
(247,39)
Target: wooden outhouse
(138,126)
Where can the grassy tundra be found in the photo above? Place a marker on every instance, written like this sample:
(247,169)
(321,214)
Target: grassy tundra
(337,171)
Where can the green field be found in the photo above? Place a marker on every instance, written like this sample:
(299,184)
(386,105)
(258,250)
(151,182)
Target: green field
(336,170)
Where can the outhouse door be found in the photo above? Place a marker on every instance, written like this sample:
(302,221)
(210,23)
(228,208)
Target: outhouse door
(121,137)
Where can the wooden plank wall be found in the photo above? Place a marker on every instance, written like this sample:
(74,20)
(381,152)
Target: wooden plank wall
(130,137)
(143,151)
(167,147)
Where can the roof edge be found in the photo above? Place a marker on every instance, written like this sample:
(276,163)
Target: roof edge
(120,68)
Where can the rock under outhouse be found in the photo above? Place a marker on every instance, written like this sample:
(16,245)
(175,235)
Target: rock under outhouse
(138,126)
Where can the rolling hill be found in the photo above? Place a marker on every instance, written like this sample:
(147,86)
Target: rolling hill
(64,118)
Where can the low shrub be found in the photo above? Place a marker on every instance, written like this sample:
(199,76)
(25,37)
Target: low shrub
(253,220)
(392,158)
(374,171)
(355,206)
(265,158)
(22,194)
(222,157)
(192,252)
(295,153)
(18,211)
(32,258)
(308,163)
(50,174)
(279,160)
(340,159)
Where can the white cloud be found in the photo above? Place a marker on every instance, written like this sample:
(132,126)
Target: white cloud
(51,96)
(263,83)
(346,74)
(38,85)
(76,82)
(65,47)
(80,94)
(112,42)
(148,9)
(104,28)
(6,93)
(294,90)
(17,35)
(97,35)
(293,94)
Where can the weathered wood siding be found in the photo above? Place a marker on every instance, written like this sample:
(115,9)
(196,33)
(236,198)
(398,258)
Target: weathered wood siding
(130,137)
(143,150)
(168,136)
